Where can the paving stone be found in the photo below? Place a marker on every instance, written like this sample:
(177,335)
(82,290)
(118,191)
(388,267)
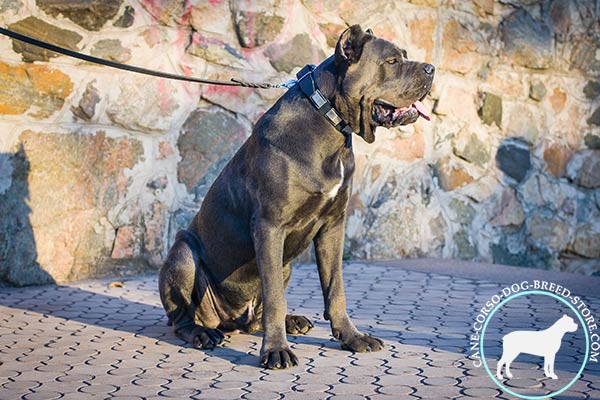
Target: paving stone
(231,385)
(264,396)
(43,395)
(179,393)
(523,383)
(22,385)
(312,388)
(99,389)
(438,392)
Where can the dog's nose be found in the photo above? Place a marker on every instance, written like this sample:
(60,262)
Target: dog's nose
(429,69)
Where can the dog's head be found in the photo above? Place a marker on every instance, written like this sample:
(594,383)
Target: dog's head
(378,82)
(568,323)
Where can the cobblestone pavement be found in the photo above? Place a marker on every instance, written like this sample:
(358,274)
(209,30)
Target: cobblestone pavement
(90,339)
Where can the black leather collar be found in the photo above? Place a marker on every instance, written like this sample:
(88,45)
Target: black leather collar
(309,87)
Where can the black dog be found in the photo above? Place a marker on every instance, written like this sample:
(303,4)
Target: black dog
(289,185)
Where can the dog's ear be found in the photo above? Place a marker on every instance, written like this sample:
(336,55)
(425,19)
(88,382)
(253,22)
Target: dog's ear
(349,46)
(370,32)
(366,130)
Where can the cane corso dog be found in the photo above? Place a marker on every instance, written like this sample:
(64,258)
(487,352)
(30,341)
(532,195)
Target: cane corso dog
(289,185)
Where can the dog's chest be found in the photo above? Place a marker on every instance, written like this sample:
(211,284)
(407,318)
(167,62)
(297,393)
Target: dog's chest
(332,193)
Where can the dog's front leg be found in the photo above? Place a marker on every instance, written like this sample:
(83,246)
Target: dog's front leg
(275,352)
(329,247)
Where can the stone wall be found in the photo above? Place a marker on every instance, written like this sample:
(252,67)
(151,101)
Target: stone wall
(99,168)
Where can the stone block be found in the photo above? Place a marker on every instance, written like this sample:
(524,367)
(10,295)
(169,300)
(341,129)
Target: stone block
(508,212)
(452,175)
(405,149)
(514,159)
(537,91)
(469,147)
(168,12)
(86,107)
(208,139)
(332,33)
(457,102)
(584,55)
(25,86)
(298,52)
(214,19)
(111,49)
(89,14)
(591,90)
(592,141)
(556,157)
(422,33)
(255,29)
(527,42)
(66,227)
(216,51)
(126,19)
(594,119)
(558,98)
(145,104)
(126,243)
(551,232)
(584,169)
(490,111)
(586,242)
(36,28)
(461,46)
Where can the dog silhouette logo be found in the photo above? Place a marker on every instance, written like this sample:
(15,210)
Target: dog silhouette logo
(543,343)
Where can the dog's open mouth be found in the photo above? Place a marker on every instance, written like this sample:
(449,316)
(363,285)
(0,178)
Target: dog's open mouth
(387,115)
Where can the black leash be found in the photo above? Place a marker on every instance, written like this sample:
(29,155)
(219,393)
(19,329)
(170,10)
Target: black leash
(131,68)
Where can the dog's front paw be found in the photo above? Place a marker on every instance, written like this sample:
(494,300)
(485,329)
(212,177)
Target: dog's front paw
(206,338)
(553,376)
(281,358)
(362,343)
(297,324)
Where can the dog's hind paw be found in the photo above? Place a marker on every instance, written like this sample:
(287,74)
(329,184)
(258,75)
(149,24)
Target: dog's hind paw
(206,338)
(297,324)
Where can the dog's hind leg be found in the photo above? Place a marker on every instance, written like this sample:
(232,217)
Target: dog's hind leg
(182,287)
(508,360)
(295,324)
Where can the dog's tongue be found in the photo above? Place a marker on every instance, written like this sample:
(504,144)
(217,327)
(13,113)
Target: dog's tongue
(421,109)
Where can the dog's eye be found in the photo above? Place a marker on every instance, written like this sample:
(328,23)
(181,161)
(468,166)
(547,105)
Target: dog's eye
(392,61)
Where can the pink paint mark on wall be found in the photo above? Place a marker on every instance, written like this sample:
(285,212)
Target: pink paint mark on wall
(225,90)
(319,7)
(187,14)
(165,97)
(250,29)
(187,71)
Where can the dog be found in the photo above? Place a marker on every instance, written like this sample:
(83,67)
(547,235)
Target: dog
(288,186)
(543,343)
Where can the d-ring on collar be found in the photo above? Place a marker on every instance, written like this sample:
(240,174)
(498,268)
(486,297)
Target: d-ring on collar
(309,87)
